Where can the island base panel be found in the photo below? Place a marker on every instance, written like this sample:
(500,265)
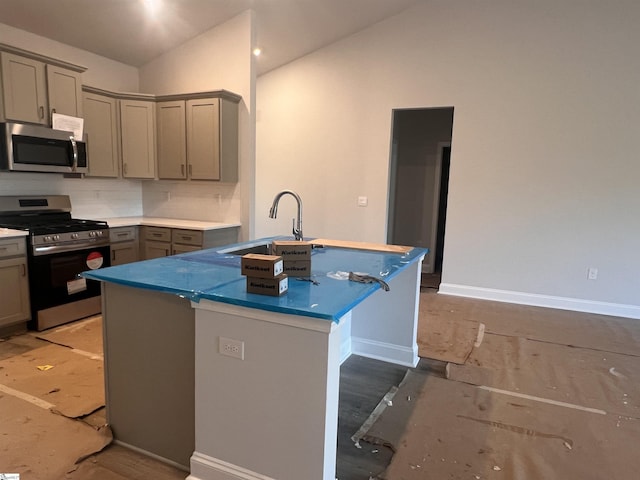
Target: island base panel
(149,342)
(273,415)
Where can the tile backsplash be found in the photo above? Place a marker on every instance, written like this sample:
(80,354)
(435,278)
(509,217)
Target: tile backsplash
(104,198)
(90,198)
(205,201)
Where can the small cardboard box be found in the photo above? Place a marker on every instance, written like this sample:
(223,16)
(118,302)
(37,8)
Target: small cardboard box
(261,266)
(268,286)
(297,268)
(291,249)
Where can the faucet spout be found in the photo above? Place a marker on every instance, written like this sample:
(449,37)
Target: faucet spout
(273,212)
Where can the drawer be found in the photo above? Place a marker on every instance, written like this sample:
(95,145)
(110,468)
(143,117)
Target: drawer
(11,247)
(159,234)
(122,234)
(187,237)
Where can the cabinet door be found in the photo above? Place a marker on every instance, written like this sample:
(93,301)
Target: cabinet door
(172,148)
(101,128)
(137,120)
(14,294)
(65,91)
(24,89)
(156,249)
(125,252)
(203,138)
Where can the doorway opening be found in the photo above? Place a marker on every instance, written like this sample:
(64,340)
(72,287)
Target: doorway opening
(419,183)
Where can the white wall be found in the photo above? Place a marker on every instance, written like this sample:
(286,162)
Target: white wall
(90,198)
(544,166)
(218,59)
(101,72)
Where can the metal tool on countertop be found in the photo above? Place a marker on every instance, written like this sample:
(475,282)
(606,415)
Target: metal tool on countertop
(357,277)
(307,279)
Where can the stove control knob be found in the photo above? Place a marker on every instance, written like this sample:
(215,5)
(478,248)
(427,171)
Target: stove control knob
(47,238)
(99,233)
(92,234)
(56,237)
(74,235)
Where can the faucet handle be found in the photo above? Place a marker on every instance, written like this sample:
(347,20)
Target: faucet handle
(296,233)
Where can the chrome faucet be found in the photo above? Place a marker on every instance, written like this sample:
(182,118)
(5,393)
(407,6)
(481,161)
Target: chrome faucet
(273,212)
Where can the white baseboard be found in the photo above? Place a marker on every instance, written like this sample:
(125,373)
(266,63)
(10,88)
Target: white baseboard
(204,467)
(548,301)
(386,352)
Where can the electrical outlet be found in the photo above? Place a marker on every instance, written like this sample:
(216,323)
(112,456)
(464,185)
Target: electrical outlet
(363,201)
(231,348)
(592,273)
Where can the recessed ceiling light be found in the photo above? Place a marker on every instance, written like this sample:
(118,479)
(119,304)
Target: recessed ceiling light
(257,51)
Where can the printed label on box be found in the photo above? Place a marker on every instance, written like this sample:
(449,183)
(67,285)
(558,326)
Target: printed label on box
(268,286)
(262,266)
(291,250)
(300,268)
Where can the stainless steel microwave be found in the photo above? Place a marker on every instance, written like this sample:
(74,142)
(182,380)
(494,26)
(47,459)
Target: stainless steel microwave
(34,148)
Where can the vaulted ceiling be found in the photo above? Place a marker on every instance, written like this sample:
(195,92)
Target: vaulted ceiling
(124,30)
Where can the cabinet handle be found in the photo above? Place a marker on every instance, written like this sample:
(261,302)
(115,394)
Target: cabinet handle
(155,234)
(122,234)
(190,170)
(24,270)
(182,169)
(41,112)
(74,147)
(113,255)
(124,168)
(3,249)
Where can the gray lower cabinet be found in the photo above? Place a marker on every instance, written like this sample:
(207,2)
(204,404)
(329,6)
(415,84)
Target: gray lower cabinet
(156,242)
(163,241)
(14,294)
(124,245)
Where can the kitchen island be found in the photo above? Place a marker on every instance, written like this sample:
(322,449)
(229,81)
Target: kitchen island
(189,354)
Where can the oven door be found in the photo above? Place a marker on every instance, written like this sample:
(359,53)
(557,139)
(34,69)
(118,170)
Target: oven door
(58,293)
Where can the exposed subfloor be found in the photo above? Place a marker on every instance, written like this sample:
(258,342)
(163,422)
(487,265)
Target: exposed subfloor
(547,394)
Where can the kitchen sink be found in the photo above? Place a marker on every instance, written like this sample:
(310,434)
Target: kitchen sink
(262,248)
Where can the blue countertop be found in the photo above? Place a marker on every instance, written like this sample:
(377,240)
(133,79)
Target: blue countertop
(215,275)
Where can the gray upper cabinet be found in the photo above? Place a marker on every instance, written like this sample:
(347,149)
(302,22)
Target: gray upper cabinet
(34,87)
(212,139)
(198,137)
(172,147)
(24,89)
(203,138)
(64,87)
(102,134)
(138,133)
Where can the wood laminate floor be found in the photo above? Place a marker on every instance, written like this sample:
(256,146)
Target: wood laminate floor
(563,338)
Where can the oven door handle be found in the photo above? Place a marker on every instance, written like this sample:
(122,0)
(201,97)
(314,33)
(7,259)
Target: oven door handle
(48,250)
(74,147)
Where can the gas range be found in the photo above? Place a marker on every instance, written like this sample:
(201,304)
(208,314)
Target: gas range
(59,249)
(50,224)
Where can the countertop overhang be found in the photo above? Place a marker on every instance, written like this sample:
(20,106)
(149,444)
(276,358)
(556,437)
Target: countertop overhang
(10,233)
(214,275)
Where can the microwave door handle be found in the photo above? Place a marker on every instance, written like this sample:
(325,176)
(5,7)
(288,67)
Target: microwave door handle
(74,146)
